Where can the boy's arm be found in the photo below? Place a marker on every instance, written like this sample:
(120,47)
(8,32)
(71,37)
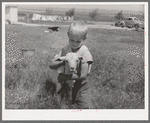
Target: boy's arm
(56,62)
(89,68)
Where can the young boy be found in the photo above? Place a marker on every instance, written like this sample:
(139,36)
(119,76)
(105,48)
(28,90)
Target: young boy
(77,33)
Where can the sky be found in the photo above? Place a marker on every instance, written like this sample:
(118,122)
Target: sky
(110,6)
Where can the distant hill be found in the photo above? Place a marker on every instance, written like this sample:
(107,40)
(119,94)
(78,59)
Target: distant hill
(78,10)
(104,15)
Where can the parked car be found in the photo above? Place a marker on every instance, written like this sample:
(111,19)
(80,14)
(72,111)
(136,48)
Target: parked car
(130,22)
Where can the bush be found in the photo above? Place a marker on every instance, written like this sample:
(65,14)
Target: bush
(93,14)
(49,10)
(30,16)
(119,16)
(70,12)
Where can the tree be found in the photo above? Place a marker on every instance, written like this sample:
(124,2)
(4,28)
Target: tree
(30,16)
(49,10)
(119,16)
(70,12)
(93,14)
(27,17)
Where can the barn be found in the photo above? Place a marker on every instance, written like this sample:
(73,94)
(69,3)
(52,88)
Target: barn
(11,14)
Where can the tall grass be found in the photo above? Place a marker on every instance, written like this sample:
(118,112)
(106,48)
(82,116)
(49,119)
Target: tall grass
(116,79)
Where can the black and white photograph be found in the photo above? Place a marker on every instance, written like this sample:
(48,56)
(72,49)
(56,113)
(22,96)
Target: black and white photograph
(75,61)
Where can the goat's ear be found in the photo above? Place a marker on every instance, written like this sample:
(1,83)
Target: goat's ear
(80,58)
(62,58)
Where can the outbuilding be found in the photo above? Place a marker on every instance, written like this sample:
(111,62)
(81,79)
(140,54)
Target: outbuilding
(11,14)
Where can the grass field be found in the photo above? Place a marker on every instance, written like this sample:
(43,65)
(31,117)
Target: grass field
(116,79)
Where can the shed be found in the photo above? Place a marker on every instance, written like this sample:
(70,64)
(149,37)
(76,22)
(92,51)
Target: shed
(11,14)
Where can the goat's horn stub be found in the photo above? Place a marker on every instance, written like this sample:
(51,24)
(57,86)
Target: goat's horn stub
(62,58)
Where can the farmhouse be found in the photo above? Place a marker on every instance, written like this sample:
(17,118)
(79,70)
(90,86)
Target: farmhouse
(11,14)
(49,18)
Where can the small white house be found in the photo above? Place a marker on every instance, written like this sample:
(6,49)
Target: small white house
(11,14)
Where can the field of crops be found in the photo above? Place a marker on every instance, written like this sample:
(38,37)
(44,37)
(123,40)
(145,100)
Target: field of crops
(116,79)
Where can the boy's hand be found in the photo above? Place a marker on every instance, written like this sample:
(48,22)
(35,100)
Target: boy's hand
(64,77)
(62,62)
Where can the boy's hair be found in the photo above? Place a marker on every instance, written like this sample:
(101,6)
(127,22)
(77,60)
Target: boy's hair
(78,28)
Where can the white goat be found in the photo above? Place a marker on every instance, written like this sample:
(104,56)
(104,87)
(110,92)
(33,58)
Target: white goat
(71,63)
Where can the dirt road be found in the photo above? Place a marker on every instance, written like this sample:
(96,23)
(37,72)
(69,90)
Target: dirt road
(102,26)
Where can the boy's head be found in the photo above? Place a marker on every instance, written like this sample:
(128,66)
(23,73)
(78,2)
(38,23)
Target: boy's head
(77,33)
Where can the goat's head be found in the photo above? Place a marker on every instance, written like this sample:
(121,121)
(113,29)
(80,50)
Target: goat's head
(73,60)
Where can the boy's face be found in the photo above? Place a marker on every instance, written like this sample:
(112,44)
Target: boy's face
(75,41)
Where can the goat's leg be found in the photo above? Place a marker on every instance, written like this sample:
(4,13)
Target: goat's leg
(57,96)
(58,87)
(69,93)
(54,89)
(70,96)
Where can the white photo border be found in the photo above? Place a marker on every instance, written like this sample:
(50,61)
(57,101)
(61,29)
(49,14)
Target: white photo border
(124,114)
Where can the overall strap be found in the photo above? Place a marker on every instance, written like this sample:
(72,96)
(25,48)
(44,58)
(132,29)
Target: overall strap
(79,68)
